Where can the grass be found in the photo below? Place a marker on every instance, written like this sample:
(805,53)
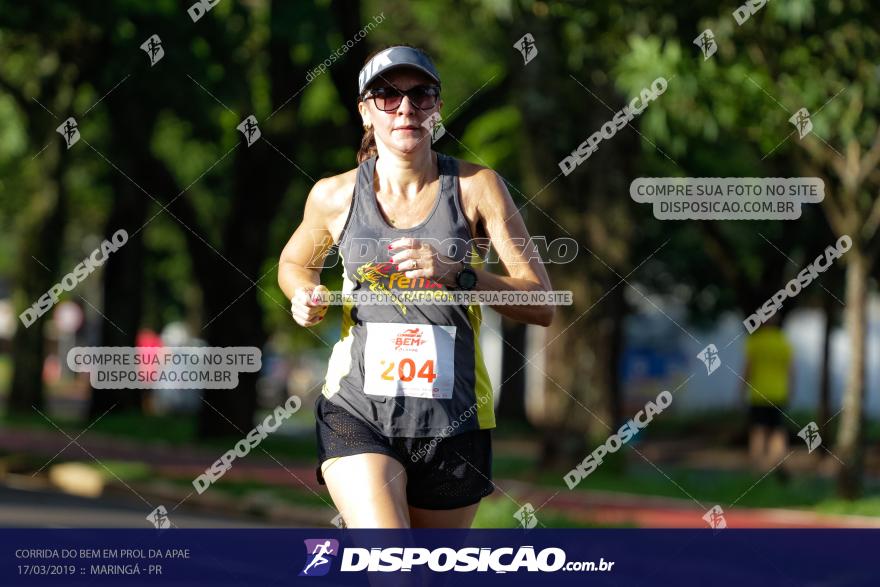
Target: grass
(5,374)
(131,471)
(709,487)
(134,426)
(164,429)
(239,488)
(867,506)
(128,471)
(499,513)
(732,423)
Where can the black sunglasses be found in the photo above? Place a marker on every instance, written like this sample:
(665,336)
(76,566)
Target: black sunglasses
(388,98)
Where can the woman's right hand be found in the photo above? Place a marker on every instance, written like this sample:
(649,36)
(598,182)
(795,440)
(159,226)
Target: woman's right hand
(307,307)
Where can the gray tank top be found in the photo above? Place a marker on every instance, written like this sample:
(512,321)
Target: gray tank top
(408,369)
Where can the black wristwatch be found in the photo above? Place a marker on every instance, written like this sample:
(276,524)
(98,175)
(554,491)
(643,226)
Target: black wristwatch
(466,279)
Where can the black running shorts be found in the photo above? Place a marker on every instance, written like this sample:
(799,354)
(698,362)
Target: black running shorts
(442,473)
(769,416)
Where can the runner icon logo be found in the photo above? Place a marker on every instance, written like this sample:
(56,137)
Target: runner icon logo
(801,121)
(526,516)
(715,518)
(810,434)
(317,551)
(433,125)
(159,518)
(250,130)
(709,356)
(69,129)
(526,46)
(153,48)
(706,42)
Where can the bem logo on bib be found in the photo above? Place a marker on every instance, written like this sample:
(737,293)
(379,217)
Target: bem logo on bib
(409,340)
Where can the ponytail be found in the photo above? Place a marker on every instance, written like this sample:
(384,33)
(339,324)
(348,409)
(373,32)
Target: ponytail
(368,146)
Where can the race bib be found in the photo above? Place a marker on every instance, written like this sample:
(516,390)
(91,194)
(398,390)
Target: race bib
(416,360)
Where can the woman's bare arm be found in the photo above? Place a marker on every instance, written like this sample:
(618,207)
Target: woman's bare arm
(300,263)
(299,268)
(510,238)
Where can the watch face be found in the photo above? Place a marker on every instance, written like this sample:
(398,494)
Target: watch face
(467,279)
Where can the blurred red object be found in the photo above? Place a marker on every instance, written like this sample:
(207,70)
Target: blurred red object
(148,346)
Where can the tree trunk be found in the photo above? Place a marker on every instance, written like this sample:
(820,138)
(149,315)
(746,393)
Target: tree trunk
(616,344)
(512,405)
(259,169)
(849,447)
(123,287)
(825,376)
(38,271)
(230,412)
(124,273)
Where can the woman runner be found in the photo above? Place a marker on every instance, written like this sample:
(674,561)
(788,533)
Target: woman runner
(404,417)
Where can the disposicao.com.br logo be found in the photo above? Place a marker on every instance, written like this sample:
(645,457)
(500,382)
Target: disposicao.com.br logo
(443,559)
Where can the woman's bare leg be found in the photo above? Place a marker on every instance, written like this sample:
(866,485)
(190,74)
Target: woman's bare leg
(369,489)
(457,518)
(758,447)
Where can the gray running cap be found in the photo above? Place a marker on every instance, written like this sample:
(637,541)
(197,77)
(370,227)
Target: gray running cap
(392,58)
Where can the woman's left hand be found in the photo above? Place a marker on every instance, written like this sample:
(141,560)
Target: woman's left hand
(419,258)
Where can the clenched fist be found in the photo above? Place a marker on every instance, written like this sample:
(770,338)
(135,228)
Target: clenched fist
(308,305)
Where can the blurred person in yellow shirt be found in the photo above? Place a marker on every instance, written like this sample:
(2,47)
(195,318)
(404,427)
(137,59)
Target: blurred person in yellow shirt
(769,379)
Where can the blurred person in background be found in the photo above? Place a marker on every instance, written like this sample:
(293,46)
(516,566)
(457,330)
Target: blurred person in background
(769,379)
